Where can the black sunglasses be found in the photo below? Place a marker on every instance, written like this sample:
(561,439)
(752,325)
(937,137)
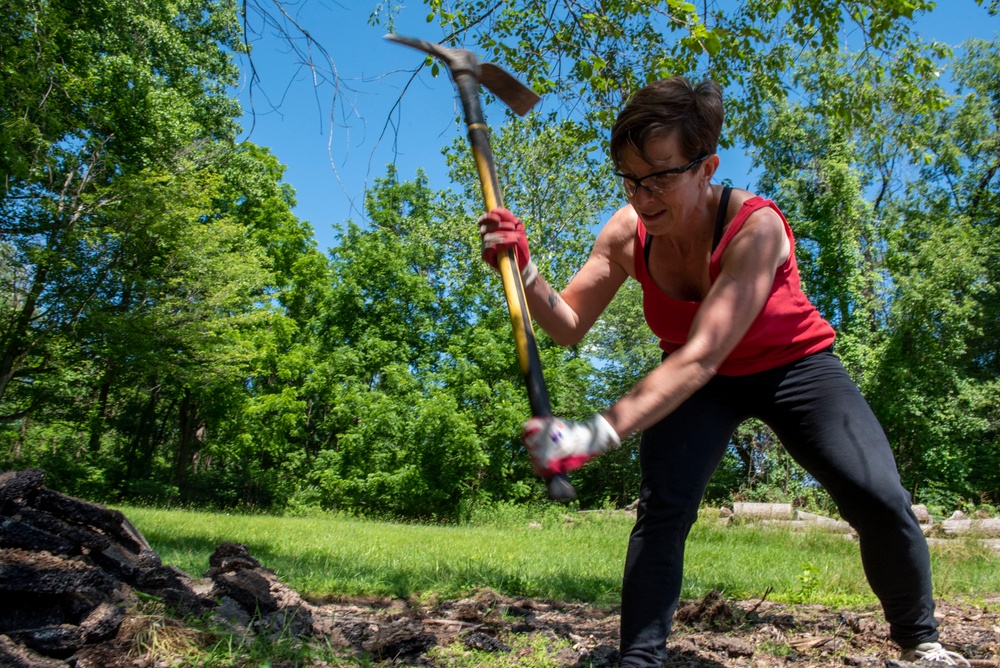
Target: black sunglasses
(657,184)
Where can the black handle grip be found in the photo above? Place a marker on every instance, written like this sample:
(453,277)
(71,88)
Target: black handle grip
(560,488)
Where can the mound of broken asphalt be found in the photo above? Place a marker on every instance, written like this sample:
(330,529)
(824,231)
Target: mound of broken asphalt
(70,572)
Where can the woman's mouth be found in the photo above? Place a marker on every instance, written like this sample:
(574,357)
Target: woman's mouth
(649,216)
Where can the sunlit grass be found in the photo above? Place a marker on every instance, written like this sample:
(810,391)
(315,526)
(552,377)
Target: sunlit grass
(330,556)
(560,556)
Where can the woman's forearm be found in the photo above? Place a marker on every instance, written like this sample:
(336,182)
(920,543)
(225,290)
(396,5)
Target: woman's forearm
(659,393)
(553,314)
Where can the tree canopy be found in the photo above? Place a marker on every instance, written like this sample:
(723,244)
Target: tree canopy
(169,330)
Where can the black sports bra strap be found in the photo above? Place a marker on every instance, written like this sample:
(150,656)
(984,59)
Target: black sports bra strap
(720,220)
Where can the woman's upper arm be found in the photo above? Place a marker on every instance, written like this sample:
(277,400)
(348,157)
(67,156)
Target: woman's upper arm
(593,287)
(741,289)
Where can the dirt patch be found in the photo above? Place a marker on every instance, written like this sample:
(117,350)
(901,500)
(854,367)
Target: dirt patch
(708,633)
(505,631)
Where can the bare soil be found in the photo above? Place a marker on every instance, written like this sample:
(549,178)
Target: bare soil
(708,633)
(711,632)
(489,629)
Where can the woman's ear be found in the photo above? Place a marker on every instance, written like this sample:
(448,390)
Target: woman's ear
(708,167)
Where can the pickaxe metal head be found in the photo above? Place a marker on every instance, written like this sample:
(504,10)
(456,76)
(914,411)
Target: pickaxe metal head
(508,90)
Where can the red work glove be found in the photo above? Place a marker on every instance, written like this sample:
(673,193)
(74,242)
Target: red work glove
(558,446)
(499,230)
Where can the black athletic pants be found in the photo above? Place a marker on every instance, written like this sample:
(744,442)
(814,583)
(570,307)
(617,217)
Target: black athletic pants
(825,424)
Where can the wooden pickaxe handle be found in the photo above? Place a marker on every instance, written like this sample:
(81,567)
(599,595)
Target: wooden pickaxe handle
(468,74)
(559,486)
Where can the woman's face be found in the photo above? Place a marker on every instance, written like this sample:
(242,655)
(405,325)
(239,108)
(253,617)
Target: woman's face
(665,187)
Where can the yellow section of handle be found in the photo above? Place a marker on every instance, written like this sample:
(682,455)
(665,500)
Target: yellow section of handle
(486,178)
(518,319)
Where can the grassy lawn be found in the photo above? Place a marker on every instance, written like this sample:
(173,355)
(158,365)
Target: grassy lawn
(554,555)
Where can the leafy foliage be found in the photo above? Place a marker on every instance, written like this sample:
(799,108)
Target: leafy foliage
(593,55)
(170,332)
(901,265)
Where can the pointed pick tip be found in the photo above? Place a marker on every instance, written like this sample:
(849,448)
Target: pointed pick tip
(400,39)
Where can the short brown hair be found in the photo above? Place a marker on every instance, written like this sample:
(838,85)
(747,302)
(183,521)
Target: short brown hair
(668,105)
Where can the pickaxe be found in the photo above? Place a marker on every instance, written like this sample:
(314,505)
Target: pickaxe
(468,73)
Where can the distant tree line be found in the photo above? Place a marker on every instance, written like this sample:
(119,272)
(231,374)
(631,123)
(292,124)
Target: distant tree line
(170,332)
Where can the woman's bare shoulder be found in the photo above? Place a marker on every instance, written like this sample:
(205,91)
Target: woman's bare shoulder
(617,237)
(763,228)
(737,197)
(620,228)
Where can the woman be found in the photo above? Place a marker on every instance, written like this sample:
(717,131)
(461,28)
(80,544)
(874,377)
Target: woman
(721,290)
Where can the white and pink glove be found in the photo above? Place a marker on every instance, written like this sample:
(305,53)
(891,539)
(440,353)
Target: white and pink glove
(558,446)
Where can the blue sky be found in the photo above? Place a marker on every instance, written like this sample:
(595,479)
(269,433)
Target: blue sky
(333,147)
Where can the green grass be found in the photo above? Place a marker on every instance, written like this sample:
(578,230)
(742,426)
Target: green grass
(321,556)
(570,557)
(527,651)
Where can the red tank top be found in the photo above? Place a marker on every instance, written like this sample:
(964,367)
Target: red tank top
(788,327)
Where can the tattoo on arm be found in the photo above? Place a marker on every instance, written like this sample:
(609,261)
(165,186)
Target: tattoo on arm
(553,299)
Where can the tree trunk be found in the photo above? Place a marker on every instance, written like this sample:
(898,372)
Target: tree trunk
(97,423)
(141,445)
(190,427)
(15,344)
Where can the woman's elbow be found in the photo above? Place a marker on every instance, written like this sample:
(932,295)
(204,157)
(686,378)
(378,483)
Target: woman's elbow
(566,338)
(704,358)
(707,370)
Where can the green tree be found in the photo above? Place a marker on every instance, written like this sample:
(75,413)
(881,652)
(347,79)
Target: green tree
(94,96)
(940,354)
(403,440)
(891,249)
(274,426)
(593,55)
(155,279)
(166,339)
(422,385)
